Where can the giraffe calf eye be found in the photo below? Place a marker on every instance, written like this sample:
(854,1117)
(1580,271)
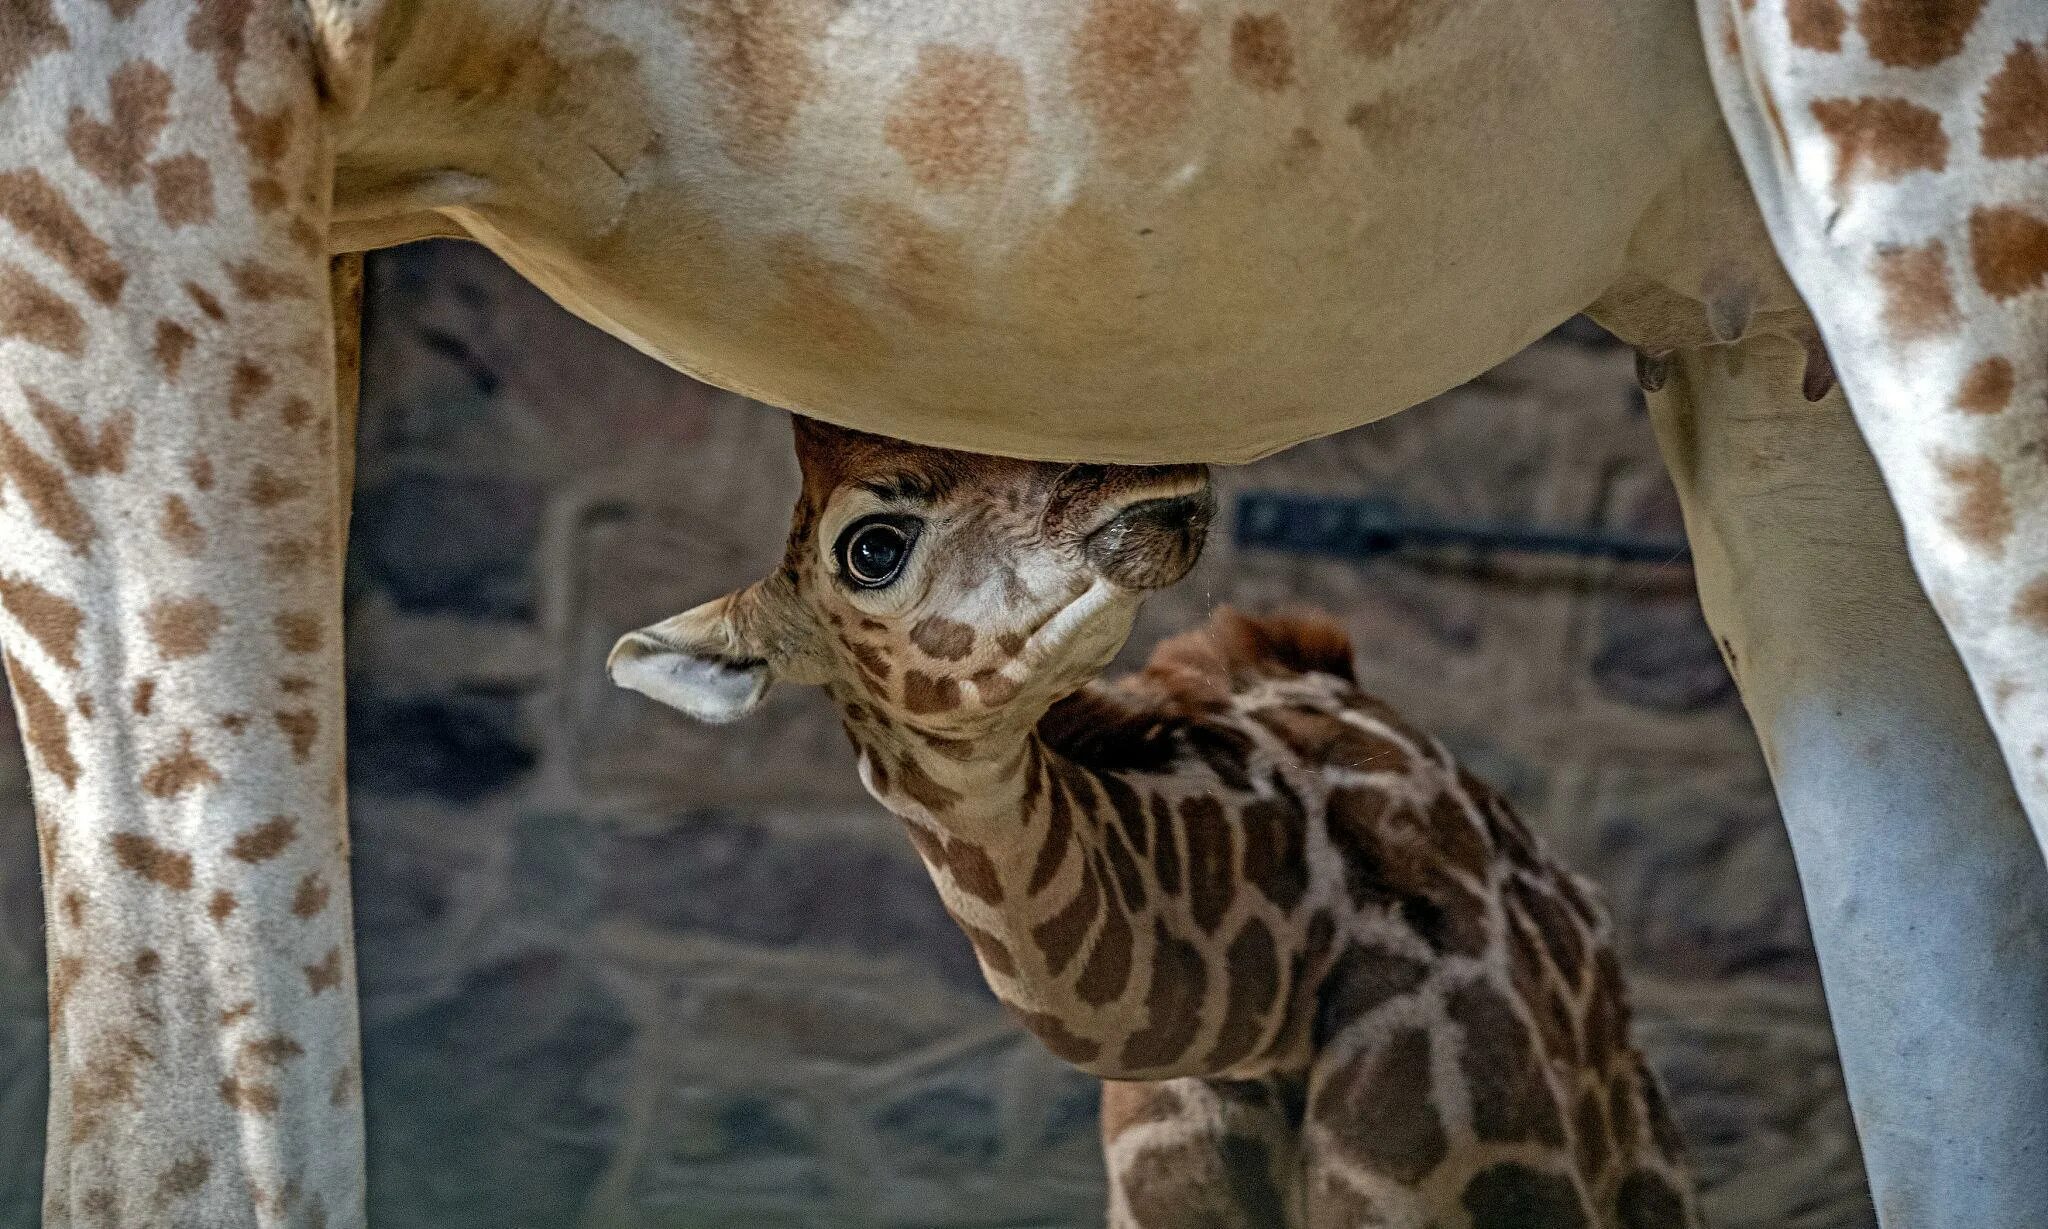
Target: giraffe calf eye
(872,552)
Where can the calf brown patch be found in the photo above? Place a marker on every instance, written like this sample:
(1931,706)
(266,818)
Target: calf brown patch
(2031,606)
(245,384)
(325,975)
(1064,1043)
(1381,1106)
(991,950)
(1252,970)
(300,726)
(1060,936)
(1915,33)
(2009,250)
(973,871)
(41,214)
(179,529)
(1511,1100)
(942,638)
(959,120)
(1261,51)
(1890,136)
(1514,1196)
(1917,300)
(2015,121)
(145,856)
(1212,862)
(1130,67)
(85,452)
(1173,1003)
(1108,967)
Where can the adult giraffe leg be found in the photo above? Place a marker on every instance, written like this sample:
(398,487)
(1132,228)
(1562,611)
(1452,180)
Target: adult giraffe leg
(1903,174)
(1200,1154)
(1928,901)
(170,608)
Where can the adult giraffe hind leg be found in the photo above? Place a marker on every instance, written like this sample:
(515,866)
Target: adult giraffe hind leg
(170,538)
(1901,160)
(1928,901)
(1200,1154)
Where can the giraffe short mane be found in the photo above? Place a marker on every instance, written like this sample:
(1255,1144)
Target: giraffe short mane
(1130,724)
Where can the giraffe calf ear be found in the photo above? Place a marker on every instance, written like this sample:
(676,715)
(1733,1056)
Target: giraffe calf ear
(693,664)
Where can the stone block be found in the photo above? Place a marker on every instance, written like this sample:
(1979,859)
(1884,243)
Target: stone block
(501,1106)
(449,544)
(456,747)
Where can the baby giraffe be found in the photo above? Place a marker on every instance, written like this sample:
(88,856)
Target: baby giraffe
(1330,979)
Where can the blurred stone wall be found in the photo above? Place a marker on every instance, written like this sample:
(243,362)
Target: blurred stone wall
(619,970)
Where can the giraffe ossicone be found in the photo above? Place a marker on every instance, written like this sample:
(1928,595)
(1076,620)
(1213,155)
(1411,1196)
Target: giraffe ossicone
(1331,978)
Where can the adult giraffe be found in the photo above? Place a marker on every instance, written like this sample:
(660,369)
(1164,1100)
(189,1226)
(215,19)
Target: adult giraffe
(1121,230)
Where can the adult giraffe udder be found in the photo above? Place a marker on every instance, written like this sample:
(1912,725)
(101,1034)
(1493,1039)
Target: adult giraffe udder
(1114,230)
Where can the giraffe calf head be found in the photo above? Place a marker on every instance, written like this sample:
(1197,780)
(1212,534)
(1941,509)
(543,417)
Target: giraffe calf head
(943,590)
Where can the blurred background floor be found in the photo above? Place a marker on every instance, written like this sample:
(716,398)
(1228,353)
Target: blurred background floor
(619,970)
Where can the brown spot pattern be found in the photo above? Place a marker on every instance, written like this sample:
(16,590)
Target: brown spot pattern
(115,153)
(942,638)
(179,529)
(144,855)
(1211,860)
(38,315)
(220,907)
(32,206)
(52,621)
(1918,302)
(1262,52)
(300,631)
(325,975)
(1816,25)
(1890,136)
(2031,606)
(2009,250)
(1915,33)
(1252,972)
(173,342)
(1064,1043)
(761,53)
(1982,515)
(1060,936)
(265,841)
(182,627)
(959,119)
(1130,66)
(268,488)
(183,187)
(249,1097)
(84,452)
(28,31)
(1108,967)
(45,728)
(179,771)
(1375,29)
(300,727)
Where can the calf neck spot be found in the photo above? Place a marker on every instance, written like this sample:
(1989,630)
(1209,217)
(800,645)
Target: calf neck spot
(2015,121)
(1514,1196)
(1915,33)
(1982,514)
(1890,136)
(38,315)
(1918,302)
(1173,1001)
(2009,250)
(1384,1110)
(960,119)
(115,153)
(1986,386)
(943,638)
(28,30)
(1816,25)
(264,841)
(182,770)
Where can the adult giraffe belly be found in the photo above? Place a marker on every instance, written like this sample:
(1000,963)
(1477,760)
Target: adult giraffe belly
(1114,230)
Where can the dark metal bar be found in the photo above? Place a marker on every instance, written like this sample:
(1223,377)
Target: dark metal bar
(1366,528)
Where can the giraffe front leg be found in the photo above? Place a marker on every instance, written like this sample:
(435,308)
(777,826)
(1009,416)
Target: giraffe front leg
(1927,896)
(170,610)
(1200,1154)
